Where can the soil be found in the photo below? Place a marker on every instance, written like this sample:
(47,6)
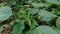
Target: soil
(7,30)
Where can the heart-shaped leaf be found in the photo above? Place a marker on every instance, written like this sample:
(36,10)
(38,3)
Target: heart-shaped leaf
(18,27)
(42,30)
(5,13)
(46,16)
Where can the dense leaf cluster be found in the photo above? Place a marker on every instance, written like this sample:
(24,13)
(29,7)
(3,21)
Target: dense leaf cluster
(33,16)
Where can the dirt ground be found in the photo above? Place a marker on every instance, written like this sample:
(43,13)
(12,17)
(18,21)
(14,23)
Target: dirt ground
(7,30)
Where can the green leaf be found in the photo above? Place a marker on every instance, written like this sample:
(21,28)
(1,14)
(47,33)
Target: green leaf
(29,1)
(57,11)
(46,16)
(33,11)
(34,22)
(37,5)
(18,27)
(57,30)
(5,13)
(47,4)
(58,22)
(12,3)
(1,29)
(42,30)
(52,1)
